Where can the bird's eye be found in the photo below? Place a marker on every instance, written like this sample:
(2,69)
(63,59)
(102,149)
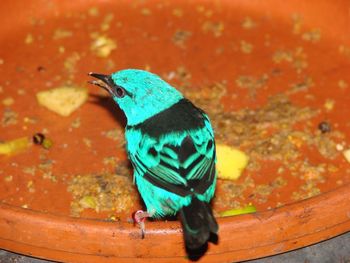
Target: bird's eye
(120,92)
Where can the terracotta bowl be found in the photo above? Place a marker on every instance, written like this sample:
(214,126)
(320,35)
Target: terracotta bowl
(47,43)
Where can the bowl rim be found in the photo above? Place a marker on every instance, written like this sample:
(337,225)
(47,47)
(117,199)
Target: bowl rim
(275,231)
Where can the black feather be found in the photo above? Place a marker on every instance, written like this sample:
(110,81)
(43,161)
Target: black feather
(198,186)
(198,224)
(183,115)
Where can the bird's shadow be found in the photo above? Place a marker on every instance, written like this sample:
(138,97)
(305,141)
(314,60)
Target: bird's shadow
(109,104)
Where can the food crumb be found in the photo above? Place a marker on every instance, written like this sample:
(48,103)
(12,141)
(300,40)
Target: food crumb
(339,182)
(102,192)
(61,49)
(29,39)
(178,12)
(113,218)
(296,58)
(47,143)
(48,175)
(339,147)
(329,104)
(21,92)
(110,160)
(297,23)
(312,36)
(102,46)
(70,62)
(342,84)
(76,123)
(8,101)
(344,50)
(107,22)
(180,37)
(216,28)
(29,170)
(93,11)
(301,86)
(248,23)
(61,34)
(88,201)
(115,135)
(346,154)
(30,186)
(251,83)
(246,47)
(307,190)
(205,11)
(87,142)
(146,11)
(9,117)
(8,178)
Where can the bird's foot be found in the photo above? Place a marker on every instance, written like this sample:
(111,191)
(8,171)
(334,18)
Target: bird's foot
(140,217)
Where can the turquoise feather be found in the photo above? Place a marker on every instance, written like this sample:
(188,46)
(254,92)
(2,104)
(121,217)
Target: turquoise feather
(144,101)
(170,143)
(155,198)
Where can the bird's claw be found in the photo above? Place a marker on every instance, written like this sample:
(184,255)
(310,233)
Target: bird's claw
(140,217)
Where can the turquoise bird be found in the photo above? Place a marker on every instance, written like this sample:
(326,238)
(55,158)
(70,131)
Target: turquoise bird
(170,143)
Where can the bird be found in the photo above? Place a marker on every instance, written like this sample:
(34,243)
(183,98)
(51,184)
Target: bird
(170,144)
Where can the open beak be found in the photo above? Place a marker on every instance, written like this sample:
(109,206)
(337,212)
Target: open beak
(104,81)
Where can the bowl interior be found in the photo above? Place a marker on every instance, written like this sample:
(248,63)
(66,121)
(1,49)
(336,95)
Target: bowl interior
(267,75)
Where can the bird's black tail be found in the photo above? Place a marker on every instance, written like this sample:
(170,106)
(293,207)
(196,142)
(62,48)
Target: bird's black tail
(198,224)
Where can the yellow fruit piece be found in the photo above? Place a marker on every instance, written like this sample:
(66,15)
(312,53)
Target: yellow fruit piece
(234,212)
(62,100)
(14,146)
(102,46)
(88,201)
(230,162)
(347,154)
(47,143)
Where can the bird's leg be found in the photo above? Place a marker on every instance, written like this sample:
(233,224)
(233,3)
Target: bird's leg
(139,218)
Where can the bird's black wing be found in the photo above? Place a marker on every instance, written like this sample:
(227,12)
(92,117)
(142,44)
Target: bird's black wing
(180,169)
(183,164)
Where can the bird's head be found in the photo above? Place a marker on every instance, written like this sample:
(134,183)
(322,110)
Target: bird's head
(140,94)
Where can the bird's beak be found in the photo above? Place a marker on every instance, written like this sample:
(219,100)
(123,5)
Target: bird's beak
(104,81)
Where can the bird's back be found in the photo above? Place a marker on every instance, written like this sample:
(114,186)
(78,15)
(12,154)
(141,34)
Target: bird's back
(173,154)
